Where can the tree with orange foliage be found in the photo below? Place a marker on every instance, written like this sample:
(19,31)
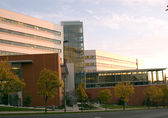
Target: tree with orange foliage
(104,96)
(123,91)
(9,81)
(154,94)
(164,89)
(48,84)
(81,94)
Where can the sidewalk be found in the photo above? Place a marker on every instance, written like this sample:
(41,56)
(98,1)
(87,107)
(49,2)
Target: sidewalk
(62,110)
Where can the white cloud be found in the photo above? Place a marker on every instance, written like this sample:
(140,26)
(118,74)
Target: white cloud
(144,2)
(52,17)
(89,11)
(117,21)
(128,2)
(96,17)
(152,46)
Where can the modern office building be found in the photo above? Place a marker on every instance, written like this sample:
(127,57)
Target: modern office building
(28,67)
(20,34)
(101,61)
(74,48)
(139,78)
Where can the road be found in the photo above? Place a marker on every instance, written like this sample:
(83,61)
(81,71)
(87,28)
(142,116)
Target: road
(157,113)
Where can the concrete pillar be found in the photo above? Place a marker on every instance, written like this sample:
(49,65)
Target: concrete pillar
(163,78)
(152,76)
(157,79)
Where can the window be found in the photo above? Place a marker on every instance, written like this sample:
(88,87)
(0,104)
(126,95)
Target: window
(30,35)
(30,26)
(30,45)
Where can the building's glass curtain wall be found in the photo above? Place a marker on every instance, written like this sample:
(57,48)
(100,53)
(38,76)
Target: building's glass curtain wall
(136,77)
(74,48)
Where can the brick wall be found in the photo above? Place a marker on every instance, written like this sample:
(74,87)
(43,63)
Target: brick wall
(31,72)
(136,99)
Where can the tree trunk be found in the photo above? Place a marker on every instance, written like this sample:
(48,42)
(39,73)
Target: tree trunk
(105,106)
(8,100)
(82,107)
(45,103)
(124,106)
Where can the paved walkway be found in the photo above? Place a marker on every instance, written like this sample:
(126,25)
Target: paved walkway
(62,110)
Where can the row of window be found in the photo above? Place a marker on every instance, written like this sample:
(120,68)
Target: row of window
(121,73)
(96,85)
(29,26)
(9,53)
(90,64)
(115,66)
(109,66)
(30,45)
(88,70)
(30,35)
(90,57)
(114,59)
(109,59)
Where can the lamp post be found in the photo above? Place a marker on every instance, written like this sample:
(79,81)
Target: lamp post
(64,79)
(65,73)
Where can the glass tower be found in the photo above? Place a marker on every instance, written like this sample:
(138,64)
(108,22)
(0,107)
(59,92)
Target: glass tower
(74,48)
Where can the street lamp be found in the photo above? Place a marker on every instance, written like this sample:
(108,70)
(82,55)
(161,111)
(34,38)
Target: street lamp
(167,8)
(65,73)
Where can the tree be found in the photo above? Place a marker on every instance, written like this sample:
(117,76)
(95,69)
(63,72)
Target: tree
(27,101)
(104,96)
(164,89)
(81,94)
(124,91)
(9,81)
(154,94)
(48,85)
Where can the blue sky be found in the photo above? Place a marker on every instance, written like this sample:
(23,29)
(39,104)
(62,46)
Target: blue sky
(134,28)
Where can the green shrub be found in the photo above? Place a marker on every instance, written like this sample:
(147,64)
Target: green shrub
(5,99)
(86,106)
(27,101)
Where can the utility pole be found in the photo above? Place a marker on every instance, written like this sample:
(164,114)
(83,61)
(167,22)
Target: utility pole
(65,93)
(65,73)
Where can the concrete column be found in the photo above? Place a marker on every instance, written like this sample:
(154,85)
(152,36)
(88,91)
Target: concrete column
(157,76)
(163,78)
(152,76)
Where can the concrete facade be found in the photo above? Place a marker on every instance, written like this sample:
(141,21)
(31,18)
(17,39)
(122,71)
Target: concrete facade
(70,79)
(101,61)
(20,34)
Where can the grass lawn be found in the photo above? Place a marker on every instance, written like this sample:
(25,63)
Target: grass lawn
(6,108)
(112,106)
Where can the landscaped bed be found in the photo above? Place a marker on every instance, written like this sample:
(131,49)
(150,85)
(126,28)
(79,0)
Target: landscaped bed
(113,106)
(9,108)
